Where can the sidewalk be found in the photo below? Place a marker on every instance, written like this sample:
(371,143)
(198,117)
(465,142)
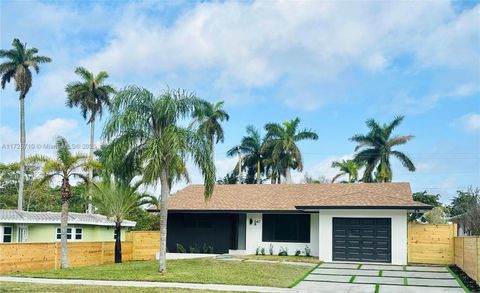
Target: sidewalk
(216,287)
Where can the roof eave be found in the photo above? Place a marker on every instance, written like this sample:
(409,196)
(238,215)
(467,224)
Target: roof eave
(339,207)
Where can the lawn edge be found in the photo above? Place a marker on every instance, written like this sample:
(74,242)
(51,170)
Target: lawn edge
(458,280)
(295,283)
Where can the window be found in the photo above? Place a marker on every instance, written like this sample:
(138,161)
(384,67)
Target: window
(286,228)
(7,234)
(22,233)
(198,221)
(76,233)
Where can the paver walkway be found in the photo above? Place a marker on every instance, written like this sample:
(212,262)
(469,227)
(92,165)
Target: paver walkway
(364,277)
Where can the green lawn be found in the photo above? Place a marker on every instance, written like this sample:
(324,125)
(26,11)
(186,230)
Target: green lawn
(205,270)
(28,287)
(309,259)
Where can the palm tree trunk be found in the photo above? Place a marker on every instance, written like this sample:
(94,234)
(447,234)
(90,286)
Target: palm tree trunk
(90,172)
(165,193)
(118,243)
(22,152)
(259,179)
(288,176)
(64,223)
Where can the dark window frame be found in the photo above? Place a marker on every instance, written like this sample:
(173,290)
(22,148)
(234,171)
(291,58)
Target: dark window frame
(8,234)
(271,223)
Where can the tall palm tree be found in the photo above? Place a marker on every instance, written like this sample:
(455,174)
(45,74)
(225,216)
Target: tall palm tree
(65,166)
(116,200)
(17,66)
(251,148)
(208,117)
(90,94)
(145,130)
(347,167)
(377,148)
(282,143)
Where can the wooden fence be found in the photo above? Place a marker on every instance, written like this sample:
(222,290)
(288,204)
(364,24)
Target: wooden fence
(37,256)
(467,255)
(431,244)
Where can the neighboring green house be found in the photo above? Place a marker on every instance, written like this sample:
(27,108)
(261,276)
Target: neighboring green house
(22,226)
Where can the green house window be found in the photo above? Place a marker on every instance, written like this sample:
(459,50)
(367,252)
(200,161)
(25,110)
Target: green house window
(72,233)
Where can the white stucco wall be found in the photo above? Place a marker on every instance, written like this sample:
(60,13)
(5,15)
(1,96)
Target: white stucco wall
(254,237)
(399,231)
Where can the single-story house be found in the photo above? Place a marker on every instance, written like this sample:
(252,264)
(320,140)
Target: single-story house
(336,222)
(31,227)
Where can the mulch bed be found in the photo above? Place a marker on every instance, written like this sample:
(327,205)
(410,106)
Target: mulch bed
(467,281)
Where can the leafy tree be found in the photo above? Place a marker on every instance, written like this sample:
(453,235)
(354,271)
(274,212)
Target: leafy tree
(251,149)
(230,178)
(377,148)
(208,117)
(436,216)
(311,180)
(144,130)
(91,95)
(464,201)
(281,145)
(17,66)
(145,221)
(65,166)
(116,200)
(347,167)
(431,199)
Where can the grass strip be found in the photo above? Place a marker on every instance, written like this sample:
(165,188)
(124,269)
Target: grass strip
(405,281)
(377,288)
(458,280)
(359,266)
(380,272)
(352,279)
(295,283)
(404,268)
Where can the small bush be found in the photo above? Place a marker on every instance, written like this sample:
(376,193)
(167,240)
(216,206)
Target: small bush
(257,251)
(205,248)
(180,248)
(307,251)
(298,252)
(270,249)
(193,249)
(283,251)
(262,251)
(210,249)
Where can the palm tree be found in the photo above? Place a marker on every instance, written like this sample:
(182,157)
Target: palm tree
(377,148)
(65,166)
(347,167)
(116,200)
(208,117)
(90,95)
(145,130)
(251,148)
(17,66)
(281,142)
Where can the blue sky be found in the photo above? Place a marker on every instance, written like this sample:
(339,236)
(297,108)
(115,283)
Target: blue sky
(334,64)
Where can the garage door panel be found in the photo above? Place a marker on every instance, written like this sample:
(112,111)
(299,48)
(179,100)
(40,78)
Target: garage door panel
(362,239)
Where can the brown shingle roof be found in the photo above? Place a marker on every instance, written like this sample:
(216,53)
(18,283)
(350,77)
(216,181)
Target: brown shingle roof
(291,197)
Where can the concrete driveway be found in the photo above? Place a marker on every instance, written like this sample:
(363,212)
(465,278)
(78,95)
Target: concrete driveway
(370,278)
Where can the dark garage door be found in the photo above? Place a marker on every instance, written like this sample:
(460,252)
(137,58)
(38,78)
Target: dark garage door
(362,239)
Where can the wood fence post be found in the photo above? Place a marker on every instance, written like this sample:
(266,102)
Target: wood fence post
(103,252)
(55,253)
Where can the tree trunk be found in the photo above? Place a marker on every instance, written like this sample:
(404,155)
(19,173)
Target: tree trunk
(22,153)
(288,176)
(90,172)
(64,223)
(118,243)
(165,193)
(259,179)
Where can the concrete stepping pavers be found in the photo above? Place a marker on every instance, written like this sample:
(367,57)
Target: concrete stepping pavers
(262,260)
(297,263)
(424,275)
(338,266)
(427,269)
(344,272)
(328,278)
(378,280)
(417,289)
(433,282)
(382,267)
(327,287)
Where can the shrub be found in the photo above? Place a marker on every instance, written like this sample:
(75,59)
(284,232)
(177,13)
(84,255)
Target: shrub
(270,249)
(307,251)
(257,251)
(298,252)
(262,251)
(180,248)
(194,249)
(210,249)
(205,248)
(283,251)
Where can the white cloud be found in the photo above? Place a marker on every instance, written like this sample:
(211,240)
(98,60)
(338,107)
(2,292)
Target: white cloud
(469,122)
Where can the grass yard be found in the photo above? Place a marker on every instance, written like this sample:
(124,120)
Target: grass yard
(204,270)
(309,259)
(28,287)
